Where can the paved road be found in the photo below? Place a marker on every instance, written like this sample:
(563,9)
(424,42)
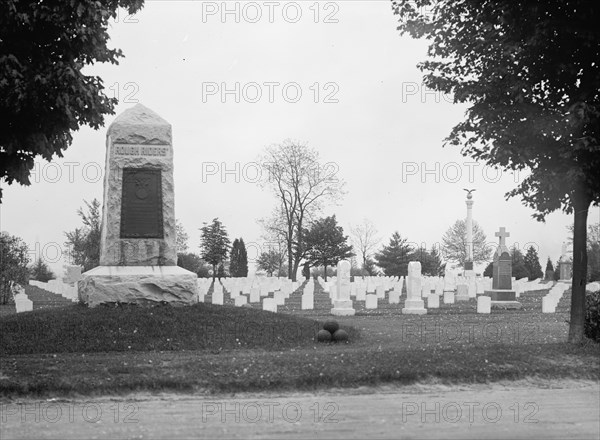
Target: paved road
(571,410)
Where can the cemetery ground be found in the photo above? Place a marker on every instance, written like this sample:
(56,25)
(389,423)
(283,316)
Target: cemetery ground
(210,349)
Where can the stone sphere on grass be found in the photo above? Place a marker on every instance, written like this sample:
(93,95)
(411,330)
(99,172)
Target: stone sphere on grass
(331,326)
(323,336)
(340,336)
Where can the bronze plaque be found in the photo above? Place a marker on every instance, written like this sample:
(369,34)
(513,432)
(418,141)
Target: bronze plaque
(141,204)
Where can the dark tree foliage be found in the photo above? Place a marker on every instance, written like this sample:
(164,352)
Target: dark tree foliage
(530,74)
(519,267)
(40,271)
(431,263)
(394,257)
(326,244)
(238,265)
(44,46)
(532,263)
(193,263)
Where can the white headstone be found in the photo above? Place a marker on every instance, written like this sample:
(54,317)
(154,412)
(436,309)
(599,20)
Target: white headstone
(414,304)
(370,301)
(484,304)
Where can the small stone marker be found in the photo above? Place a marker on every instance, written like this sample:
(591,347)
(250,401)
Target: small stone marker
(462,292)
(279,298)
(380,291)
(269,305)
(241,300)
(448,297)
(308,301)
(484,304)
(548,304)
(394,297)
(217,297)
(433,301)
(254,294)
(370,301)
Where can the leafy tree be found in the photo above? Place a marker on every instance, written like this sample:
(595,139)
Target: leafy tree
(431,263)
(365,240)
(238,266)
(394,257)
(193,263)
(519,267)
(14,259)
(269,261)
(40,271)
(83,244)
(526,71)
(532,263)
(326,243)
(45,48)
(214,244)
(454,244)
(302,185)
(181,238)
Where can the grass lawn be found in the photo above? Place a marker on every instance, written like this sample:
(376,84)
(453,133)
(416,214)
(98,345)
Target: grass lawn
(212,349)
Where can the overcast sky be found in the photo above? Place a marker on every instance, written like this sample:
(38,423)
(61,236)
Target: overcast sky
(336,76)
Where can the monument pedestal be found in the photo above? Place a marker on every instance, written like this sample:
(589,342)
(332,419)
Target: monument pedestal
(142,285)
(414,307)
(342,308)
(503,299)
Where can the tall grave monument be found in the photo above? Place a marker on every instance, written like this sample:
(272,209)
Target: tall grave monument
(138,256)
(565,265)
(502,294)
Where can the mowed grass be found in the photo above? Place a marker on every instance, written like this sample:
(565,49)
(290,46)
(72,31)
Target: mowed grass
(215,349)
(128,328)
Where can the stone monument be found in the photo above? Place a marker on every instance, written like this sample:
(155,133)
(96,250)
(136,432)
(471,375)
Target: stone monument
(469,227)
(138,255)
(342,304)
(414,304)
(565,266)
(502,294)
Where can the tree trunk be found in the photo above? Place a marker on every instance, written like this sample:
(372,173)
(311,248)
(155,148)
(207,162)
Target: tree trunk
(581,203)
(214,272)
(325,272)
(291,274)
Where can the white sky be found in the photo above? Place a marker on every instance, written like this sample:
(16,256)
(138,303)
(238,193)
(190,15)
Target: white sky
(382,124)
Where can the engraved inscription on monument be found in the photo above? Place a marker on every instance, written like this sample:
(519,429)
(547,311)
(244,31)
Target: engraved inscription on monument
(141,204)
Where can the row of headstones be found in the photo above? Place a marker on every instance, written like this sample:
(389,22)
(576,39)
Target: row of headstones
(249,290)
(67,290)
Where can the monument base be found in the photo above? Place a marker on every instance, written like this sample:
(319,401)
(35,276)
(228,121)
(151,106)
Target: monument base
(142,285)
(414,307)
(506,305)
(342,308)
(503,299)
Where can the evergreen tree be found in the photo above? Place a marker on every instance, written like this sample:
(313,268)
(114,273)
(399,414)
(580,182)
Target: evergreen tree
(549,270)
(394,257)
(532,263)
(215,244)
(326,244)
(238,266)
(431,263)
(41,272)
(489,270)
(519,269)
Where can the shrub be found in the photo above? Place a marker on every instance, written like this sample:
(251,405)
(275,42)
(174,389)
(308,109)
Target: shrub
(592,316)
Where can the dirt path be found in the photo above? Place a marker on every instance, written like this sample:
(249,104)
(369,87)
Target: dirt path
(526,410)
